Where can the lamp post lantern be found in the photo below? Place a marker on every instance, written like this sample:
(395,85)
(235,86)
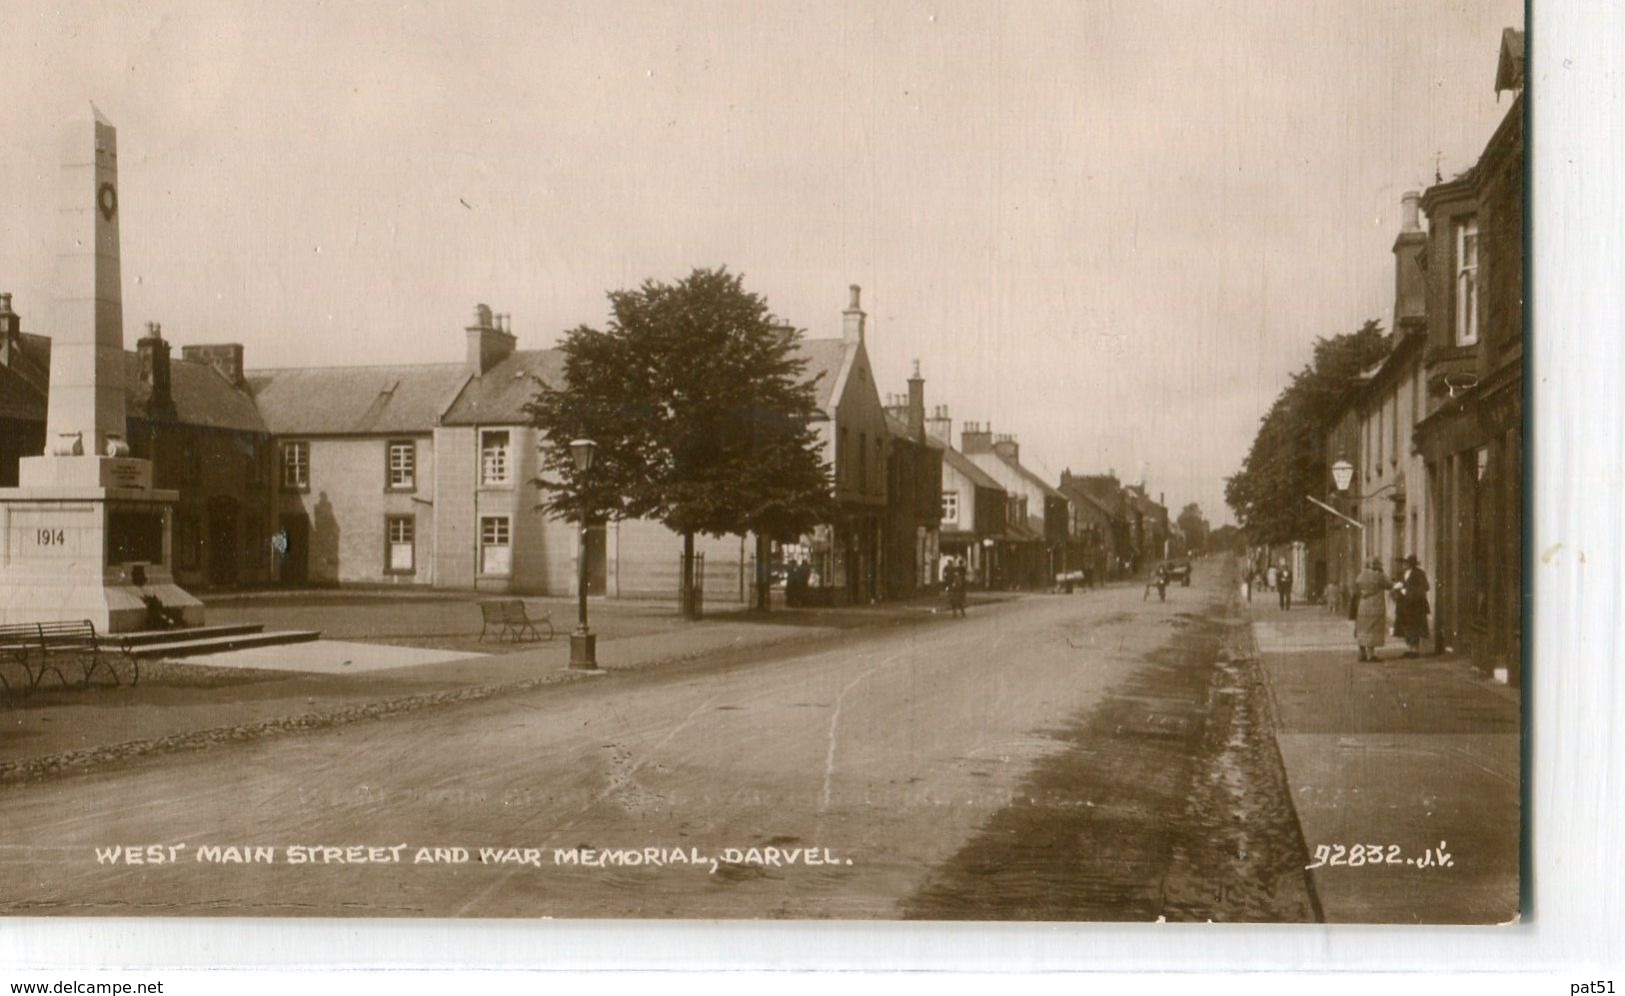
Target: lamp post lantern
(583,642)
(1342,474)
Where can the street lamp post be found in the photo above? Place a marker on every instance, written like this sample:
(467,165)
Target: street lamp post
(583,642)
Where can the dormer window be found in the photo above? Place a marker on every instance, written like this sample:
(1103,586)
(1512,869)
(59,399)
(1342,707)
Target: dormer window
(1467,281)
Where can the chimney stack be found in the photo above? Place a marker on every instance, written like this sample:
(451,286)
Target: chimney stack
(852,319)
(939,426)
(1006,447)
(1410,287)
(976,438)
(154,354)
(488,342)
(11,332)
(916,405)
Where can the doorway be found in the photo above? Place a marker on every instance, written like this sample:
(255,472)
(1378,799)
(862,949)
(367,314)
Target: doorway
(294,544)
(222,541)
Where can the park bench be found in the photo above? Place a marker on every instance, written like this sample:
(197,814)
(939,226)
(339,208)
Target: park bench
(509,618)
(38,649)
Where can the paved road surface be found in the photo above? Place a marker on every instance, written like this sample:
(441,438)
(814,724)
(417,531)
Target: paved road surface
(884,751)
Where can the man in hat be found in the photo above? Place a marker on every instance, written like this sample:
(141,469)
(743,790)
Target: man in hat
(1411,607)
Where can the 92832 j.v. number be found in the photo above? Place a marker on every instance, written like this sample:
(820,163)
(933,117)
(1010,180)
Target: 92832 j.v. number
(1372,855)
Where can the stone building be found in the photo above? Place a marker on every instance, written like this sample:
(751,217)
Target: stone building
(1038,520)
(355,481)
(913,496)
(1472,438)
(193,418)
(425,475)
(972,523)
(1093,527)
(1375,431)
(846,555)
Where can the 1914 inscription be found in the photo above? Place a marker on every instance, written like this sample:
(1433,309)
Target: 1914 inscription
(50,537)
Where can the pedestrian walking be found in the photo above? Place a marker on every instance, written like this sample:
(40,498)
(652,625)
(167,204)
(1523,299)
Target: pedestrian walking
(1411,607)
(1270,578)
(1247,584)
(1369,609)
(1283,587)
(956,589)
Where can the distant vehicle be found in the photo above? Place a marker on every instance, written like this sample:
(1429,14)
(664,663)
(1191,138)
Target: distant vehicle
(1179,570)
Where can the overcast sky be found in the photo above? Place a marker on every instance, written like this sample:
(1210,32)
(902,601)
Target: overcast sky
(1111,228)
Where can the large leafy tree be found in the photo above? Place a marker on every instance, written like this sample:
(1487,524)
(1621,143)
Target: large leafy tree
(1287,460)
(1194,525)
(697,399)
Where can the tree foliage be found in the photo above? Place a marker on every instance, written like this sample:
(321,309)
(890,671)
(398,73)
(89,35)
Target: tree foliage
(1194,525)
(1287,460)
(1227,537)
(697,399)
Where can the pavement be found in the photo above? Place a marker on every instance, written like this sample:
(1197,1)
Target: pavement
(383,653)
(1415,760)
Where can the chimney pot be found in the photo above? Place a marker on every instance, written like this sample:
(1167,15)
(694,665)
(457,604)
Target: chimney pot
(857,292)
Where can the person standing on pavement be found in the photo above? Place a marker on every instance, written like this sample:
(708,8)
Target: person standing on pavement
(1370,609)
(1283,587)
(1270,577)
(1411,607)
(1247,584)
(956,589)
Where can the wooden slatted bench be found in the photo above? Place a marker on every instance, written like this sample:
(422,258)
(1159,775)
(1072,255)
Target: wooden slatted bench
(38,649)
(510,618)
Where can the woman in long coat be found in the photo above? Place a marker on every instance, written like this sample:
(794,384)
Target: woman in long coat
(1411,607)
(1371,614)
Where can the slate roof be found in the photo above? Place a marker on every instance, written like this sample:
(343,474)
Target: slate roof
(825,357)
(1082,497)
(335,401)
(1509,68)
(1043,485)
(499,397)
(963,464)
(202,395)
(1104,491)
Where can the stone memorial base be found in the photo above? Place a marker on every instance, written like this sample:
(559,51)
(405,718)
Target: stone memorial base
(88,538)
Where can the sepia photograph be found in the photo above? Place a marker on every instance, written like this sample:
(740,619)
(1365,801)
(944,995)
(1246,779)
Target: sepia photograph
(921,460)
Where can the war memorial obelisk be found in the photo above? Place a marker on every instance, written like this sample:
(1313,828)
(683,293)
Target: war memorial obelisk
(84,534)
